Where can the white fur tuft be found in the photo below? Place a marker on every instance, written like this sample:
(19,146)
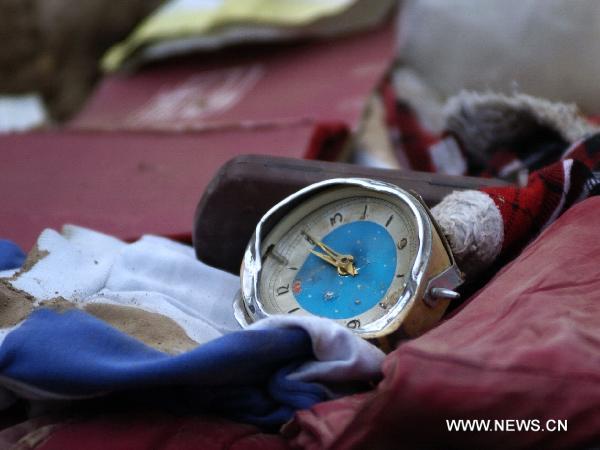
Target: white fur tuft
(473,226)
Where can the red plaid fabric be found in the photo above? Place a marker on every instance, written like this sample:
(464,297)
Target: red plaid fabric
(525,211)
(406,132)
(587,151)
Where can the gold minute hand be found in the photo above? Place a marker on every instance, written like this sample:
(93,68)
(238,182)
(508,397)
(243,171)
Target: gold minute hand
(329,251)
(325,258)
(343,263)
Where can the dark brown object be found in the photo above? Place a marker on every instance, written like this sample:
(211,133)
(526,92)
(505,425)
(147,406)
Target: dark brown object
(247,186)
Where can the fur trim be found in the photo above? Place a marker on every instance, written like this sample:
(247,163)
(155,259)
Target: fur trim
(481,120)
(474,228)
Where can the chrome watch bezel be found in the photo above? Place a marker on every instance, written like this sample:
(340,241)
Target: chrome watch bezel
(248,307)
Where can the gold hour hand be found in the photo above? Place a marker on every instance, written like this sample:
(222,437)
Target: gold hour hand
(343,263)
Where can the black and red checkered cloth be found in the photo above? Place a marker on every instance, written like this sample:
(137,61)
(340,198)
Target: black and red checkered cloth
(548,193)
(495,223)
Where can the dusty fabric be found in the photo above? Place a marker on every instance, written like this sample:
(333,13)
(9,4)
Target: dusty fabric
(89,315)
(15,305)
(153,283)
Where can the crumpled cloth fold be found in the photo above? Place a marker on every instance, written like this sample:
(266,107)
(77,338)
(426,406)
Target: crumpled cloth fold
(109,317)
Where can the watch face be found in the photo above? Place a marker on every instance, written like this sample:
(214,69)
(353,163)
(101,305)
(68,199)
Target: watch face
(344,253)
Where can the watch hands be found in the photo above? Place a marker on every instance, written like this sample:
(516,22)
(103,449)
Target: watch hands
(325,258)
(343,263)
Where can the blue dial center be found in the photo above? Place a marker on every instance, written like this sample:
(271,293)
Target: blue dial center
(319,288)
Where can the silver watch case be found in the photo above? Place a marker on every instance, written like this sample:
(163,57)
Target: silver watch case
(248,307)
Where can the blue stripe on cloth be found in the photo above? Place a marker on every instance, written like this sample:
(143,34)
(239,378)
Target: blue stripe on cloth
(242,374)
(11,256)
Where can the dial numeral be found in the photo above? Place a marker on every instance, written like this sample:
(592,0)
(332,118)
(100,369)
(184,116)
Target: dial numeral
(281,290)
(337,217)
(364,213)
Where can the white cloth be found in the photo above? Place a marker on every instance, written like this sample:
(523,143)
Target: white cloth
(162,276)
(154,274)
(341,355)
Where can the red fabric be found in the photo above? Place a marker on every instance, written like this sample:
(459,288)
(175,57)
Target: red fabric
(159,432)
(121,183)
(272,86)
(587,151)
(549,192)
(525,210)
(148,142)
(405,127)
(328,141)
(31,431)
(499,160)
(415,140)
(527,346)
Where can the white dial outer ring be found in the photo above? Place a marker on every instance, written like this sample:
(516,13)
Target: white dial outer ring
(248,307)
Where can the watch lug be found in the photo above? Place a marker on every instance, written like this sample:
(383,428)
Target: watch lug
(444,294)
(441,287)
